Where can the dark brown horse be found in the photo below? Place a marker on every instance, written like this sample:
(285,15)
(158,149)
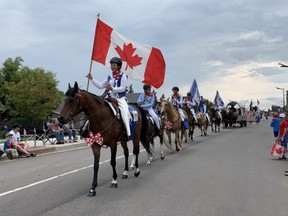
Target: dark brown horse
(191,120)
(150,132)
(215,120)
(105,125)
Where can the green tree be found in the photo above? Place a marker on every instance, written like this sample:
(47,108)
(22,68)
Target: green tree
(30,94)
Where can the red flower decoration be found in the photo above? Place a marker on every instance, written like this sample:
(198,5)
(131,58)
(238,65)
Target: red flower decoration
(98,139)
(168,125)
(279,150)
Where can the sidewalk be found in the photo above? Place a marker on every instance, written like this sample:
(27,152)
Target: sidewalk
(41,149)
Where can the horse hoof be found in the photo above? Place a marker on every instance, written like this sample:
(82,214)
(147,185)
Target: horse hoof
(113,185)
(91,193)
(136,174)
(124,176)
(162,157)
(148,164)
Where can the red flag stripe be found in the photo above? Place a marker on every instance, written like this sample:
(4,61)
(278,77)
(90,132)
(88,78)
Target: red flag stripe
(101,42)
(155,75)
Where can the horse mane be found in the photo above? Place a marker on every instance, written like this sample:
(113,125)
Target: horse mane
(72,92)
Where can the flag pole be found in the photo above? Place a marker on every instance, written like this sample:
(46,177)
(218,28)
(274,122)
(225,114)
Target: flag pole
(90,68)
(88,81)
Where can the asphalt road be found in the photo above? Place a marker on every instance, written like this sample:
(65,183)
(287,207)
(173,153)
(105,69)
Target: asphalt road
(224,174)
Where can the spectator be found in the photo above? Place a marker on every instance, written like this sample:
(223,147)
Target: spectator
(283,135)
(275,123)
(70,129)
(22,147)
(55,129)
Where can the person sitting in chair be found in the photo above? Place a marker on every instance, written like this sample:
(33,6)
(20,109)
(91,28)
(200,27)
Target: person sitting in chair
(176,100)
(55,129)
(116,85)
(146,100)
(70,129)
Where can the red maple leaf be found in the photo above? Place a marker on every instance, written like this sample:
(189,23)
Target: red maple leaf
(127,55)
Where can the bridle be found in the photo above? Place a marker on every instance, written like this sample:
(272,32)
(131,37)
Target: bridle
(78,103)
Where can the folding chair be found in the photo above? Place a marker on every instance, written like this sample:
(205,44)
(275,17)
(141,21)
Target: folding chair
(48,136)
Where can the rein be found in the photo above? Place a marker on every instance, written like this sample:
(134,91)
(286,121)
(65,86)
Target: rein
(78,103)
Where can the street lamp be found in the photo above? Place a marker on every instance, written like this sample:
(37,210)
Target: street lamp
(283,97)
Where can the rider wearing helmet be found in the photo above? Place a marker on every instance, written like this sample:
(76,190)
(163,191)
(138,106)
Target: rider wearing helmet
(116,85)
(203,109)
(176,100)
(147,100)
(191,103)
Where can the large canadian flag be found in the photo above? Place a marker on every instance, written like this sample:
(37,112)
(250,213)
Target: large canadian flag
(140,62)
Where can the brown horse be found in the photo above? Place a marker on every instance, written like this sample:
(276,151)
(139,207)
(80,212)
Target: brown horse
(191,120)
(215,120)
(202,123)
(105,127)
(171,122)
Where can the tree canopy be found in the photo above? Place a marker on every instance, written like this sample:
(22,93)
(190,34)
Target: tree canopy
(28,94)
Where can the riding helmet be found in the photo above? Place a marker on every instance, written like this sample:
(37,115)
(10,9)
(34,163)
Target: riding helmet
(116,60)
(188,93)
(146,87)
(175,88)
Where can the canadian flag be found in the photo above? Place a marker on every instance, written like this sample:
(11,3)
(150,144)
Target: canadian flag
(140,62)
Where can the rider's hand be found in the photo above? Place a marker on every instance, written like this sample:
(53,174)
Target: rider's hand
(109,87)
(89,76)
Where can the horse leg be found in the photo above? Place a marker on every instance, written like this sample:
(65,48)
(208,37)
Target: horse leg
(96,152)
(136,150)
(126,156)
(177,141)
(169,141)
(161,137)
(113,148)
(150,155)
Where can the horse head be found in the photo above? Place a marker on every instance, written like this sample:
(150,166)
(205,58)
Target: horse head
(72,105)
(164,107)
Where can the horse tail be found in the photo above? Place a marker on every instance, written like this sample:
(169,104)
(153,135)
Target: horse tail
(143,135)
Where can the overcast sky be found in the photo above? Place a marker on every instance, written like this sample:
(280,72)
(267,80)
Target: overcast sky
(232,46)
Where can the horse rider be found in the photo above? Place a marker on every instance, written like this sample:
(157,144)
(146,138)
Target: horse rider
(217,109)
(203,109)
(146,100)
(176,100)
(116,85)
(191,104)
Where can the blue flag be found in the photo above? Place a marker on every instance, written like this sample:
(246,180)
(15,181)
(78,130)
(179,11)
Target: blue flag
(218,99)
(195,92)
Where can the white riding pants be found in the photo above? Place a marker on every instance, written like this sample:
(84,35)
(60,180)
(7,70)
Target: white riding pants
(126,116)
(154,116)
(194,115)
(182,115)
